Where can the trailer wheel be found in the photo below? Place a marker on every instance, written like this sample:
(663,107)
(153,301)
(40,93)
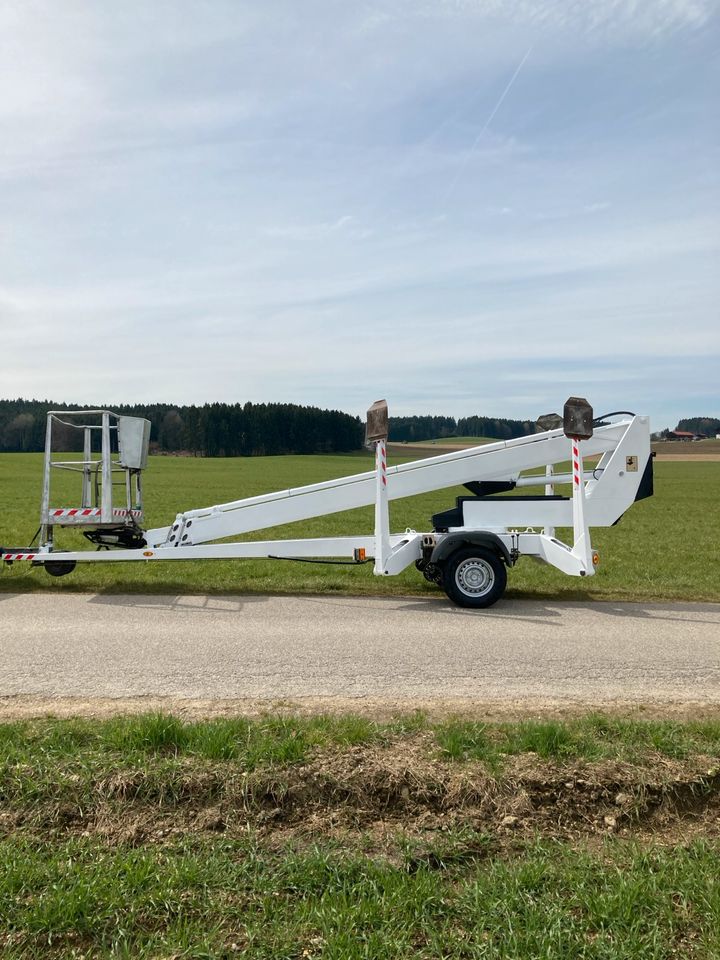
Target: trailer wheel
(474,577)
(59,568)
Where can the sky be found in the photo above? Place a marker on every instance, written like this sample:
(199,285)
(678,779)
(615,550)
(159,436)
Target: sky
(462,206)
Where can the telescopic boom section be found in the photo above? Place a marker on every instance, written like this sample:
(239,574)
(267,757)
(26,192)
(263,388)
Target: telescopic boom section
(505,460)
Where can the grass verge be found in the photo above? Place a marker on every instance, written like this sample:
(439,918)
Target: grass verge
(340,837)
(648,556)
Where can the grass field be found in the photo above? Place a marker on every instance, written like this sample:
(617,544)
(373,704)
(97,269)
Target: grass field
(344,838)
(696,448)
(667,547)
(451,442)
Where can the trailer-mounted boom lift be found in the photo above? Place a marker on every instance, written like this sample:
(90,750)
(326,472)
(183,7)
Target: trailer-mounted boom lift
(468,551)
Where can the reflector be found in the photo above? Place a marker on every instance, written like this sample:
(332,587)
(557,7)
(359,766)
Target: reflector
(578,418)
(377,422)
(549,421)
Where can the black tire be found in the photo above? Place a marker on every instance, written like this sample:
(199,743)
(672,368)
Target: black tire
(474,577)
(59,568)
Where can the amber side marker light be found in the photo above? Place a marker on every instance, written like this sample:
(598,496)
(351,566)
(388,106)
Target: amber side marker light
(359,554)
(148,553)
(596,559)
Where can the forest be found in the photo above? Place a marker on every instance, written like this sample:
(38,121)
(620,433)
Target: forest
(412,429)
(212,430)
(267,429)
(710,426)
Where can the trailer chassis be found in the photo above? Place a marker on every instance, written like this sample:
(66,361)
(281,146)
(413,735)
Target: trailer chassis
(470,548)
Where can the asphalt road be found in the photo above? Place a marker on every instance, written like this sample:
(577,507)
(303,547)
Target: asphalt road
(275,648)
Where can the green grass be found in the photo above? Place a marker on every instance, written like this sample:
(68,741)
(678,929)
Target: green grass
(268,741)
(454,441)
(591,738)
(665,548)
(233,898)
(448,890)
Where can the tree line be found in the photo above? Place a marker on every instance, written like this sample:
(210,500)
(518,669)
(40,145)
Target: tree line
(211,430)
(412,429)
(255,429)
(710,426)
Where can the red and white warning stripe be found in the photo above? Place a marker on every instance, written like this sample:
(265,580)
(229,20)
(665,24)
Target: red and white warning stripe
(383,462)
(10,557)
(79,512)
(576,462)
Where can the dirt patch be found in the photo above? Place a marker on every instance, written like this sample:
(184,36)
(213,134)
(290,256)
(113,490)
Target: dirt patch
(687,458)
(402,788)
(701,450)
(25,707)
(389,795)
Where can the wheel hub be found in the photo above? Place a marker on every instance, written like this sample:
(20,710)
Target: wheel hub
(474,577)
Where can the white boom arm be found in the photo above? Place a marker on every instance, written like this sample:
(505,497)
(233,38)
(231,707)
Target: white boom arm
(609,491)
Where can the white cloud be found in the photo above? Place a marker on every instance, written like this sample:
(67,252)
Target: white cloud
(614,18)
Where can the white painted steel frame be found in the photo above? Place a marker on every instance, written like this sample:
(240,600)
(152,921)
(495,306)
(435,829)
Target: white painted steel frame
(403,549)
(600,498)
(105,513)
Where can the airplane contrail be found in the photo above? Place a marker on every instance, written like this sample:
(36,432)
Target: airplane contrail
(487,123)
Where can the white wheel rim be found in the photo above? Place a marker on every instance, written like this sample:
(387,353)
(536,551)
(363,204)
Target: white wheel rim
(474,577)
